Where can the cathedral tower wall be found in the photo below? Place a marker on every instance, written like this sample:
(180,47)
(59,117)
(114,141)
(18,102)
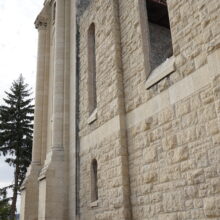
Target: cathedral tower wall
(172,116)
(102,132)
(121,135)
(173,120)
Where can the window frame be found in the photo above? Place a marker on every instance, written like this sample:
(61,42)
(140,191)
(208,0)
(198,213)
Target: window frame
(165,68)
(94,182)
(92,73)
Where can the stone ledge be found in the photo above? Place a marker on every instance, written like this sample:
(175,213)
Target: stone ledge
(92,117)
(165,69)
(96,136)
(94,204)
(177,92)
(42,177)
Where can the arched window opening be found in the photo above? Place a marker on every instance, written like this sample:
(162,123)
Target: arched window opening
(94,181)
(159,31)
(92,69)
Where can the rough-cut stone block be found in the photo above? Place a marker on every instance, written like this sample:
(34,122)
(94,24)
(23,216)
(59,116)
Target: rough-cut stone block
(150,177)
(183,108)
(169,142)
(215,185)
(212,127)
(174,201)
(212,207)
(207,96)
(196,177)
(180,154)
(186,136)
(168,217)
(216,140)
(191,192)
(149,155)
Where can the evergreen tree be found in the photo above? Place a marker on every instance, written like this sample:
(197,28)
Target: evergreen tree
(16,129)
(4,203)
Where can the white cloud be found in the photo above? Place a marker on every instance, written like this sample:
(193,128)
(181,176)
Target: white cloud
(18,41)
(6,173)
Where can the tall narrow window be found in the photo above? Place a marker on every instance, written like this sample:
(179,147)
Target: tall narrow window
(92,69)
(159,30)
(94,181)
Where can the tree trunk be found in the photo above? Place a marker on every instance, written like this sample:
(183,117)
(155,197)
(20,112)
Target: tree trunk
(15,194)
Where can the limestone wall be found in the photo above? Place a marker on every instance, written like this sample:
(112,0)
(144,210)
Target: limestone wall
(174,152)
(194,35)
(106,68)
(171,148)
(173,136)
(104,138)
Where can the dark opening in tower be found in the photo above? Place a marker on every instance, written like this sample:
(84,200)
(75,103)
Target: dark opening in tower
(159,32)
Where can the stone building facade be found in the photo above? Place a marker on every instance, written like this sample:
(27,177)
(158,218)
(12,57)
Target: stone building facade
(127,111)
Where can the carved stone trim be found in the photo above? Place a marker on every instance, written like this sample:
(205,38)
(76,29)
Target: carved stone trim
(163,70)
(41,22)
(46,2)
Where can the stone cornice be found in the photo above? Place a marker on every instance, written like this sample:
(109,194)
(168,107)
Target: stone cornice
(48,2)
(41,22)
(43,17)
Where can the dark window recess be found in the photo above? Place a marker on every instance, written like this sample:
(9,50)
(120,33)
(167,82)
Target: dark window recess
(92,68)
(159,30)
(94,181)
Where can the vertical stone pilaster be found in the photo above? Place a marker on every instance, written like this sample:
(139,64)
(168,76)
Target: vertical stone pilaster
(29,210)
(52,179)
(39,98)
(127,210)
(45,100)
(72,200)
(58,102)
(73,91)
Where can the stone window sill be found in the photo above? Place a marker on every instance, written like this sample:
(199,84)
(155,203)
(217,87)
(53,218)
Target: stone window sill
(165,69)
(92,117)
(42,176)
(94,204)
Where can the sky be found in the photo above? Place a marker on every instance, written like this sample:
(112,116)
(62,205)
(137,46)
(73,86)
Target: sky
(18,53)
